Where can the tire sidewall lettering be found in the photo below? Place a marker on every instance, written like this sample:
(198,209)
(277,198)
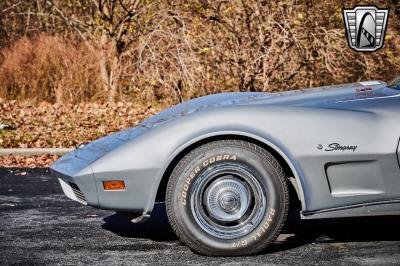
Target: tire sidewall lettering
(189,174)
(265,225)
(259,232)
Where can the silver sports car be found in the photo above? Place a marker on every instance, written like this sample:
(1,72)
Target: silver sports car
(225,163)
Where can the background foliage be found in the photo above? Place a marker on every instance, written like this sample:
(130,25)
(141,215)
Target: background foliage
(167,51)
(75,70)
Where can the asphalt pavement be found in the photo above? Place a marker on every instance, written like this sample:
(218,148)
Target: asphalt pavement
(39,225)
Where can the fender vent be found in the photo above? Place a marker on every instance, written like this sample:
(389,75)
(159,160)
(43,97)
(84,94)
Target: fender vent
(78,193)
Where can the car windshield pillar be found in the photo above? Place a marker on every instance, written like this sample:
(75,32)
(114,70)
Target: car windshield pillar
(395,83)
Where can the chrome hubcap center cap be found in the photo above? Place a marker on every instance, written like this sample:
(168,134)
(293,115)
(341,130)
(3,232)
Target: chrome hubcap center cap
(227,199)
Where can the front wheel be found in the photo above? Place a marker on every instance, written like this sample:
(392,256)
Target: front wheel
(227,198)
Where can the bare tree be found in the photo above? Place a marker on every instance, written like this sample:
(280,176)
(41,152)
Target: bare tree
(111,27)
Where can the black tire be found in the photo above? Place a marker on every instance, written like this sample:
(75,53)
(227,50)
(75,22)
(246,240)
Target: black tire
(227,198)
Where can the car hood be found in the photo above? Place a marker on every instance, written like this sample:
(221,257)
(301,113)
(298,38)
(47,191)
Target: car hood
(305,97)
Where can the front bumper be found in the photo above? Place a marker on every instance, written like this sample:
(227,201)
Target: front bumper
(72,191)
(88,190)
(81,174)
(78,187)
(74,168)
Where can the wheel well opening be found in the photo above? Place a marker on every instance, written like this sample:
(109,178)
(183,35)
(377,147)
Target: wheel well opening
(294,197)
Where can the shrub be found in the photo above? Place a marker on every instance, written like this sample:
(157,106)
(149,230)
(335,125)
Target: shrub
(49,68)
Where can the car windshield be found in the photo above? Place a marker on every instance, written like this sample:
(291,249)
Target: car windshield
(395,83)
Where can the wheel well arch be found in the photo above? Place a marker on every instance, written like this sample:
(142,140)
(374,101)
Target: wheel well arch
(295,193)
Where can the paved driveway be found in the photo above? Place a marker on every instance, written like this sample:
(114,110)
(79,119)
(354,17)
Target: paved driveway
(39,225)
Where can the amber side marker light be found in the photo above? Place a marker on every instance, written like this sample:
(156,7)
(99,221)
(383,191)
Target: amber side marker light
(114,185)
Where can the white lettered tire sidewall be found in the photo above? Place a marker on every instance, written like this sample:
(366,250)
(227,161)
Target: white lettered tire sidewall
(268,173)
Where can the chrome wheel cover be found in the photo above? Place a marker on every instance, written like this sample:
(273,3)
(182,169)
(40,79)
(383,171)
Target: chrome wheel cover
(227,201)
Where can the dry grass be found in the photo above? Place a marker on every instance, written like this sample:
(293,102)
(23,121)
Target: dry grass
(49,68)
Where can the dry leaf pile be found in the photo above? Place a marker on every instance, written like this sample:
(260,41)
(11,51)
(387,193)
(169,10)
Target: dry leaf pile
(27,162)
(52,126)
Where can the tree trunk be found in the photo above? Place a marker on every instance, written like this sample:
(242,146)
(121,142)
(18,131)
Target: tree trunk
(109,71)
(114,77)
